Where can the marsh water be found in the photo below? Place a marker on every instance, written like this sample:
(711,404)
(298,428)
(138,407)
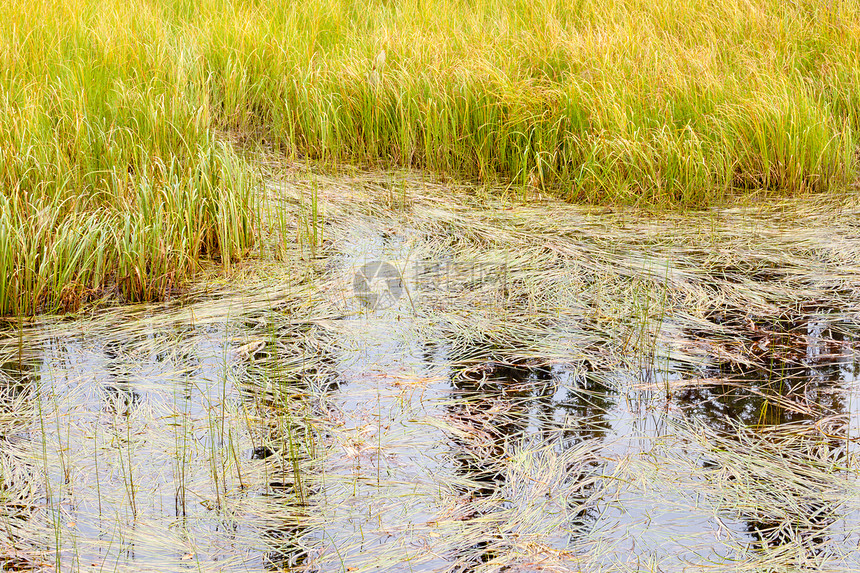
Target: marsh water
(453,382)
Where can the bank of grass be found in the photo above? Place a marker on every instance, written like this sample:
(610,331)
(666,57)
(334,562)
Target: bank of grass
(648,102)
(114,179)
(114,183)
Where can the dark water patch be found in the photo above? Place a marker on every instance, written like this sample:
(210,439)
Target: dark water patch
(785,413)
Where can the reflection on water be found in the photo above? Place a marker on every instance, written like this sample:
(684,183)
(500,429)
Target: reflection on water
(801,382)
(21,549)
(166,450)
(143,442)
(381,441)
(500,404)
(491,407)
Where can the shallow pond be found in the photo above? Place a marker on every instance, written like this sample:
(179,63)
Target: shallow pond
(457,385)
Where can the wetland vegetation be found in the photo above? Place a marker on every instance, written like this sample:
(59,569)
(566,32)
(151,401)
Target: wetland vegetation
(626,393)
(119,120)
(429,286)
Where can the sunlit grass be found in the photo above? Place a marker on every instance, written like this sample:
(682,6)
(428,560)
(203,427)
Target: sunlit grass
(117,179)
(636,102)
(113,181)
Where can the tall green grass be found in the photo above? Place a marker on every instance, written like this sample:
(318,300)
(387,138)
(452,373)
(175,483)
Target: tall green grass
(637,101)
(115,178)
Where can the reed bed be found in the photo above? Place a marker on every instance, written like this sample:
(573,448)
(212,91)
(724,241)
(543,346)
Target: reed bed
(631,102)
(114,183)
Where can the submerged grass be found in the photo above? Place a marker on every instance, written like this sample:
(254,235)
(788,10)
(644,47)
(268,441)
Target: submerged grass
(623,287)
(637,394)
